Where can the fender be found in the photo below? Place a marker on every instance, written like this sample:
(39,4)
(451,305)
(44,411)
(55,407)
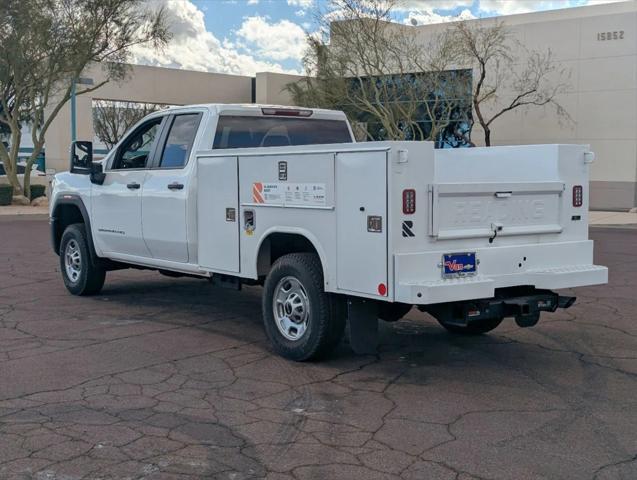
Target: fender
(75,200)
(303,233)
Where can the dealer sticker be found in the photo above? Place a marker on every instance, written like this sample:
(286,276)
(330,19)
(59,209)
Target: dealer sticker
(459,264)
(294,194)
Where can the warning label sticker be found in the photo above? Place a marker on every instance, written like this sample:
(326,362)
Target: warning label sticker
(305,194)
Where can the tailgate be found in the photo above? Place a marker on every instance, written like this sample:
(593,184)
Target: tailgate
(507,192)
(474,209)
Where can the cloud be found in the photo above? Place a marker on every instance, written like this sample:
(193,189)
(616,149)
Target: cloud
(282,40)
(426,17)
(193,47)
(301,3)
(439,11)
(433,5)
(512,7)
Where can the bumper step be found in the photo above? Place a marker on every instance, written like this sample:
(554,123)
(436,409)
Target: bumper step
(483,286)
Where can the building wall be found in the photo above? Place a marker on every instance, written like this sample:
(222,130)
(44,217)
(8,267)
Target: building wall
(157,85)
(270,88)
(602,98)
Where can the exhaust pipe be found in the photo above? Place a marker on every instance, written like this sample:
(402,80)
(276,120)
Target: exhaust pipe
(565,302)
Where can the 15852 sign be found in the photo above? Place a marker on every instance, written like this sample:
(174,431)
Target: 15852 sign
(615,35)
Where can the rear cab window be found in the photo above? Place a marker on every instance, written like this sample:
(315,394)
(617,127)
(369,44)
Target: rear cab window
(235,131)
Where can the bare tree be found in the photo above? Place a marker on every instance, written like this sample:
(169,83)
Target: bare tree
(44,47)
(509,76)
(378,72)
(111,119)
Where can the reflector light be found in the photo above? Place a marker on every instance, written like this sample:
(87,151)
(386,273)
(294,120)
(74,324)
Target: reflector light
(286,112)
(578,196)
(382,289)
(409,201)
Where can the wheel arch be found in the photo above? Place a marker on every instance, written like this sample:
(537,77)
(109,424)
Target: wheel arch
(67,211)
(277,242)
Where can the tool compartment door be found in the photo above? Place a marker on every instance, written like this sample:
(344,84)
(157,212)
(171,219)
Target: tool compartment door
(470,210)
(218,213)
(361,221)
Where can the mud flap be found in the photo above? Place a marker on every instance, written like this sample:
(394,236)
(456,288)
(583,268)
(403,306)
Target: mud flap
(362,321)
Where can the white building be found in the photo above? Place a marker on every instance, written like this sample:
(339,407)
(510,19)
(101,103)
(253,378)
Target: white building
(599,46)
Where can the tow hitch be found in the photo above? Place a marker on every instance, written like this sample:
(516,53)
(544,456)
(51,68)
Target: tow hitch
(523,303)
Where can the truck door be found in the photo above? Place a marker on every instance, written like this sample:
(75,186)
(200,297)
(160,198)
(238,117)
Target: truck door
(218,213)
(166,190)
(117,204)
(361,222)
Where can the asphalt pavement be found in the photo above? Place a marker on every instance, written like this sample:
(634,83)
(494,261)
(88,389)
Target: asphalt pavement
(165,378)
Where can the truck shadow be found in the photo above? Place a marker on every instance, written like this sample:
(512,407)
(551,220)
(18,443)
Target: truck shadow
(237,314)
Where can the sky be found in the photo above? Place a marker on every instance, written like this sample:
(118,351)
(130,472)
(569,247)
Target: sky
(248,36)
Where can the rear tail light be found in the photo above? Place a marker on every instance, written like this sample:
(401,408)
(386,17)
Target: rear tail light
(409,201)
(578,196)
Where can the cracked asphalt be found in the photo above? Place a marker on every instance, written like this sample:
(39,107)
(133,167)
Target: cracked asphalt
(161,378)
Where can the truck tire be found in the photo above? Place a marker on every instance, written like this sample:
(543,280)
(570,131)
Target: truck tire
(301,320)
(80,276)
(477,327)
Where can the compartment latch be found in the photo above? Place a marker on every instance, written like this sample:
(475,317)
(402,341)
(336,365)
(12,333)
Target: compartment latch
(495,228)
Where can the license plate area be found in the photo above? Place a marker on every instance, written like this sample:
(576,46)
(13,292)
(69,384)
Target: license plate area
(462,264)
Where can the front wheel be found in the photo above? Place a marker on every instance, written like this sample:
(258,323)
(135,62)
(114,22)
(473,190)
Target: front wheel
(301,320)
(476,327)
(80,276)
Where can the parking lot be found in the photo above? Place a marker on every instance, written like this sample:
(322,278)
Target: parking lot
(173,378)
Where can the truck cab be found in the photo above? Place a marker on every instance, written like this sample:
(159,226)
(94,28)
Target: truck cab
(334,230)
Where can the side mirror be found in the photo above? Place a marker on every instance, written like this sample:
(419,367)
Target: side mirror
(97,174)
(81,157)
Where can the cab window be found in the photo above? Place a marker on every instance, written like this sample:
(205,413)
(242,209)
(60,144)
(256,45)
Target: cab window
(179,141)
(134,152)
(250,132)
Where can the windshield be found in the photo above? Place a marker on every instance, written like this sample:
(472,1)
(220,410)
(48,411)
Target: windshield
(249,132)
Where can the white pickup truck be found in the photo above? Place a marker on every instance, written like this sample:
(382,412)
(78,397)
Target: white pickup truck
(337,232)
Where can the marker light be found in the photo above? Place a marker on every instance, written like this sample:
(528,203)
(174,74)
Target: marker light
(409,201)
(578,196)
(382,289)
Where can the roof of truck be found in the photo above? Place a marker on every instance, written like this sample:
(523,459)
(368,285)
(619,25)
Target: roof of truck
(256,109)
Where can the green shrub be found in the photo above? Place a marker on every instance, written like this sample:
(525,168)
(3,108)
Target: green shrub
(38,191)
(6,194)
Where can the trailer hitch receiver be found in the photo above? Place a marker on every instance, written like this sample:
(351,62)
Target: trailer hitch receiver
(524,304)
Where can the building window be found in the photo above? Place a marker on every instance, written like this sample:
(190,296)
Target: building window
(438,107)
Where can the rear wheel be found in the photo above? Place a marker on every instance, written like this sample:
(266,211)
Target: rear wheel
(476,327)
(301,320)
(80,276)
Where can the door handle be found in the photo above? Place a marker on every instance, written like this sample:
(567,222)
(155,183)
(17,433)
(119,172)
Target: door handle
(175,186)
(133,185)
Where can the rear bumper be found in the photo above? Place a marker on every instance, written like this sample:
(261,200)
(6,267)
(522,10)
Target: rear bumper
(547,266)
